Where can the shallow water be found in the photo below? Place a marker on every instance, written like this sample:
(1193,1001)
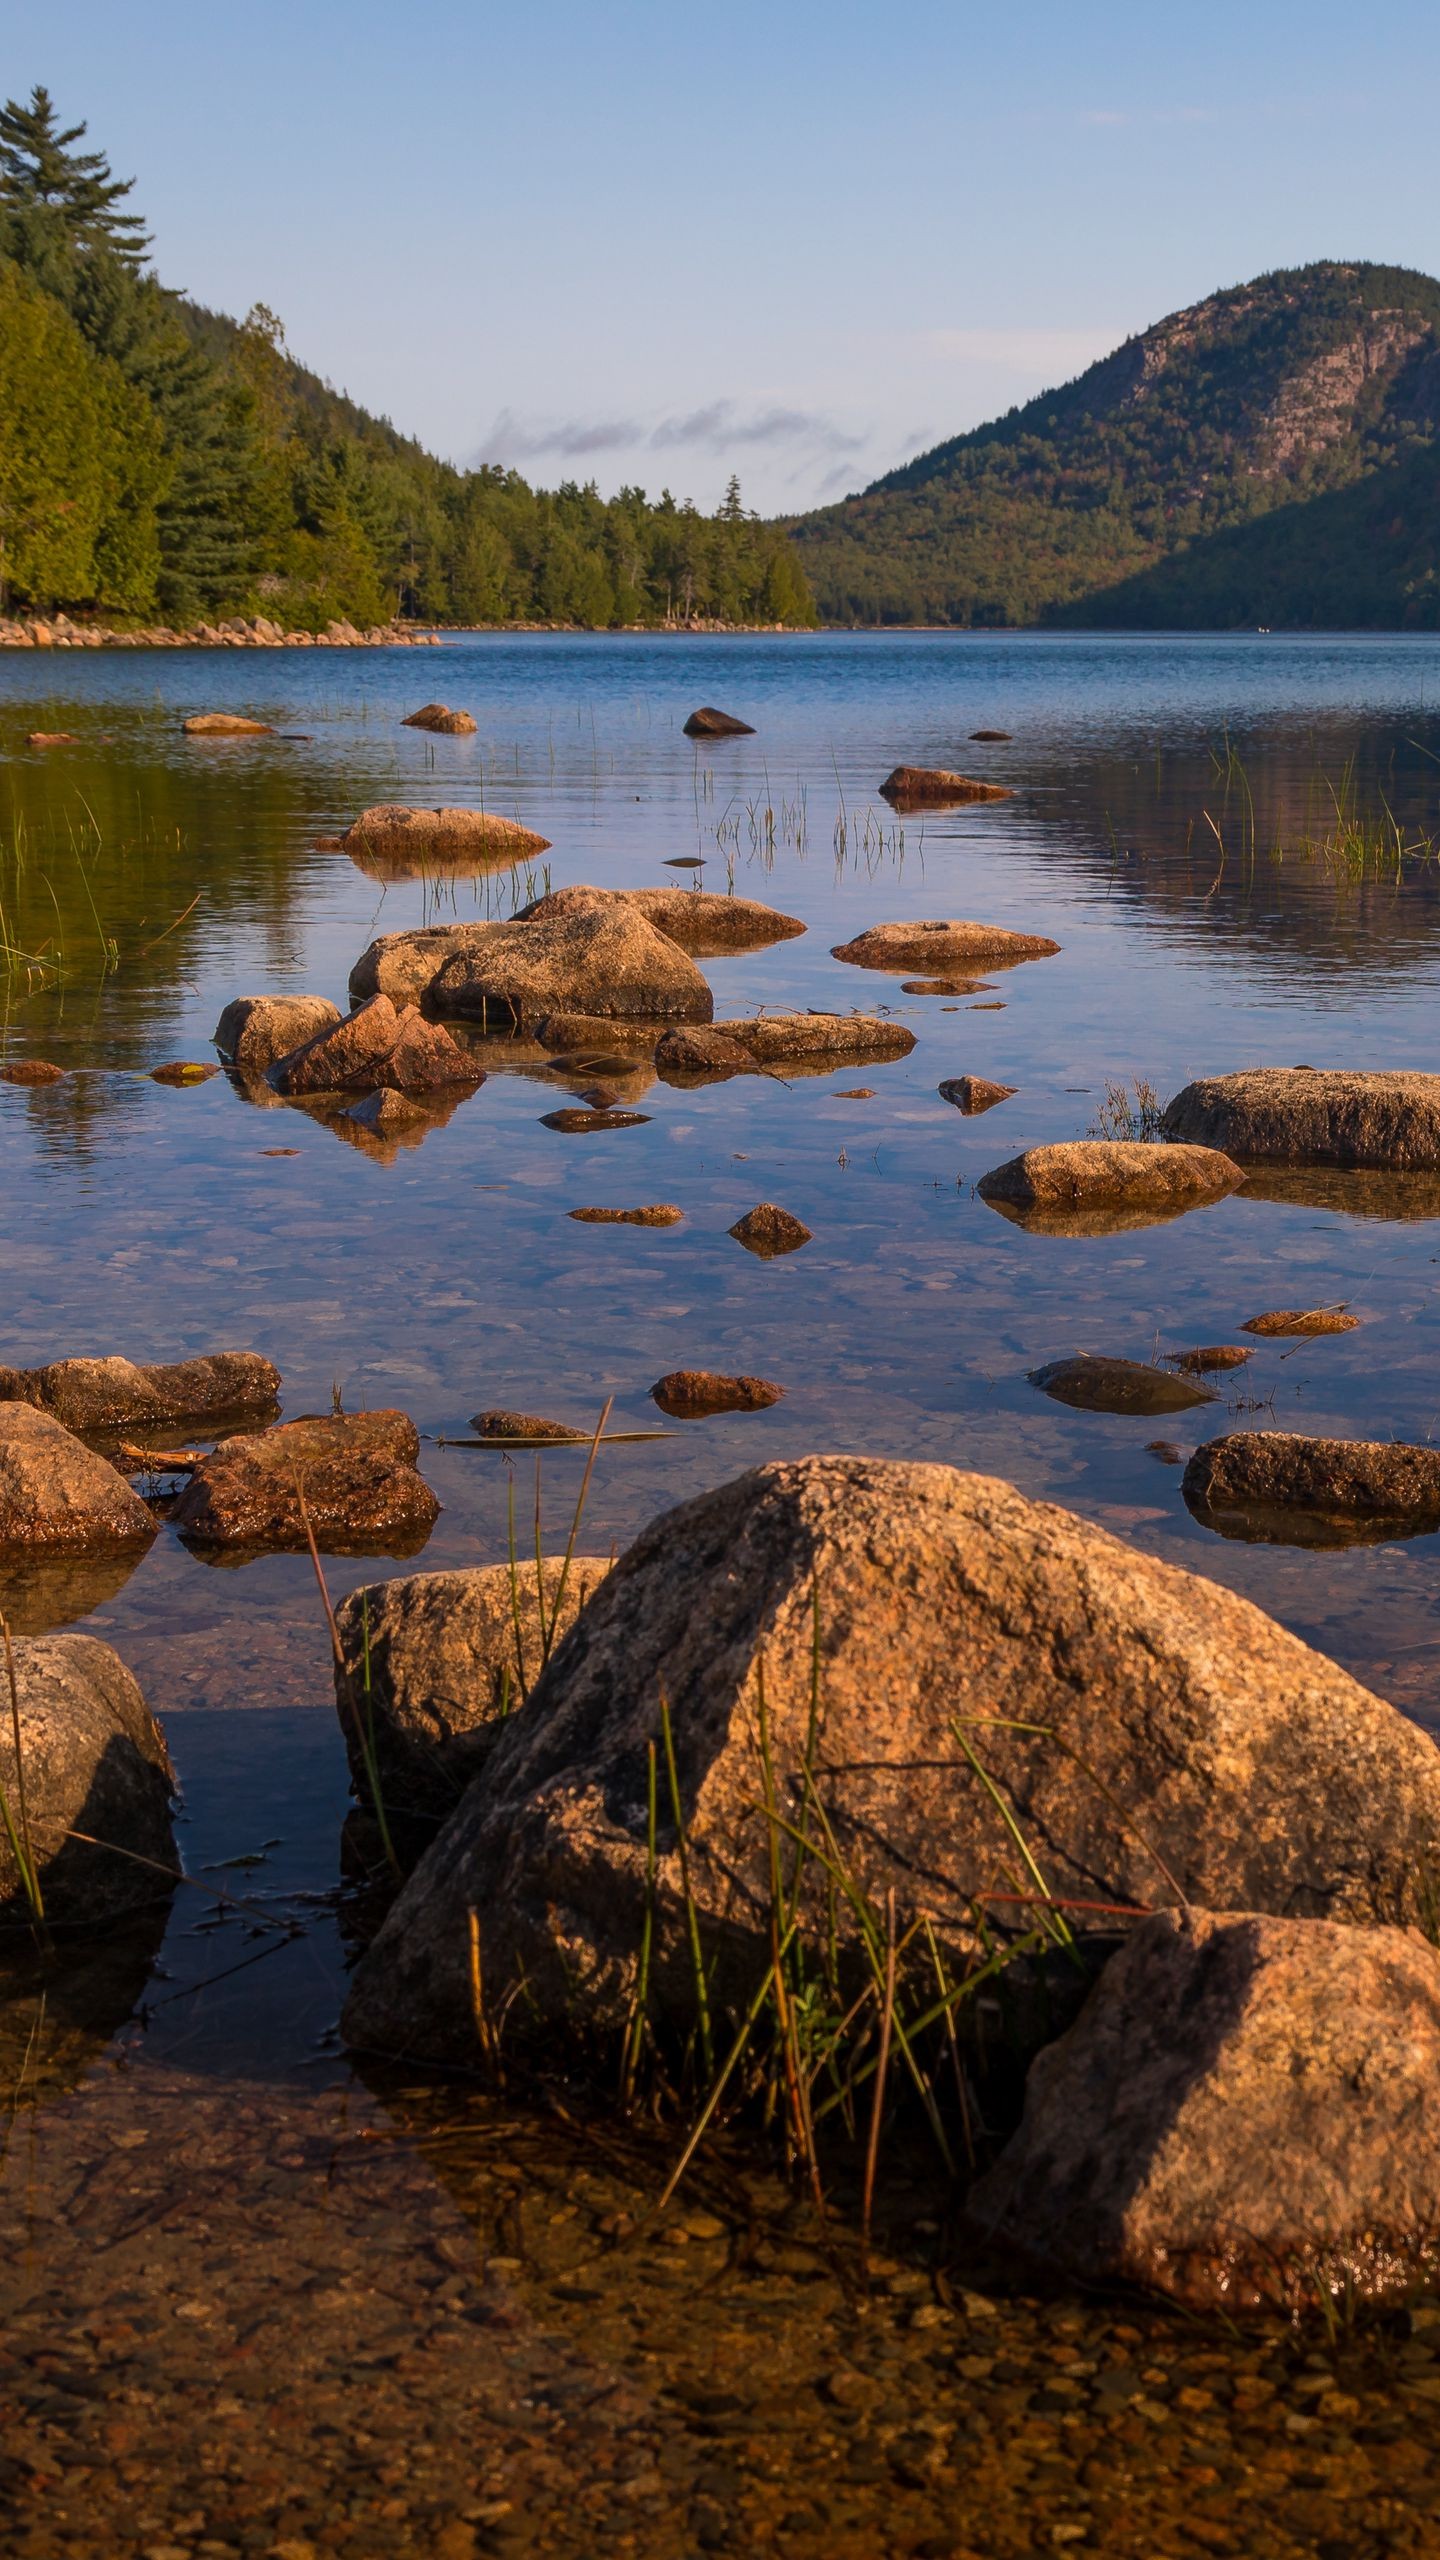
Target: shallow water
(149,879)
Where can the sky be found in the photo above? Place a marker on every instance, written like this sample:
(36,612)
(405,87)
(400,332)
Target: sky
(655,244)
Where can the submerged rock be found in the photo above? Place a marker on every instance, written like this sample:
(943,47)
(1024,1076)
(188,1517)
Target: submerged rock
(767,1231)
(497,1422)
(1301,1321)
(417,834)
(688,1394)
(55,1494)
(1315,1115)
(1242,2117)
(822,1040)
(945,987)
(700,1049)
(974,1094)
(1100,1173)
(121,1395)
(580,1123)
(1268,1474)
(702,923)
(376,1047)
(1092,1384)
(601,961)
(656,1213)
(355,1471)
(1209,1358)
(947,944)
(225,724)
(31,1071)
(184,1071)
(574,1034)
(710,723)
(989,737)
(450,1656)
(441,720)
(253,1031)
(93,1759)
(917,785)
(1153,1734)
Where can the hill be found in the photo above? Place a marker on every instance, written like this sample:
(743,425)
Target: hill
(156,457)
(1269,455)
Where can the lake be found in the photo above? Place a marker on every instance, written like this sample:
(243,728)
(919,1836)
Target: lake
(188,2134)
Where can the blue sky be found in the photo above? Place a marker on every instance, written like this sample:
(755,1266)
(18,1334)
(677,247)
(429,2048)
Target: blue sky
(801,241)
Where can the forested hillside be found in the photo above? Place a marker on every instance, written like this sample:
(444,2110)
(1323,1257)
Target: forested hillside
(1269,455)
(158,458)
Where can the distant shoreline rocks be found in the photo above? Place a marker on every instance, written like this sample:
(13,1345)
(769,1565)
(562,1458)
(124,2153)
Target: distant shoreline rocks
(57,631)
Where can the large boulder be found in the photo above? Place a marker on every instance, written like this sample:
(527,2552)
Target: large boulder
(352,1475)
(376,1048)
(920,786)
(601,961)
(941,946)
(253,1031)
(946,1665)
(1106,1174)
(92,1760)
(1252,1481)
(703,923)
(435,1662)
(1315,1115)
(707,722)
(402,965)
(440,720)
(422,834)
(56,1495)
(1243,2116)
(120,1395)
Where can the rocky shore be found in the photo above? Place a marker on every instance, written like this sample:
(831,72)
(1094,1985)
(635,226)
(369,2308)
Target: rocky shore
(239,632)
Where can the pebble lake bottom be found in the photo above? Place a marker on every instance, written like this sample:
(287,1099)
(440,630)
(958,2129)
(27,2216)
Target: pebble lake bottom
(261,2296)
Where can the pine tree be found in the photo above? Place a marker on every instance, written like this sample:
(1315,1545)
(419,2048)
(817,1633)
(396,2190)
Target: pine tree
(46,184)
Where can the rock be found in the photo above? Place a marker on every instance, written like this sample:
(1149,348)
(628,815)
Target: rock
(945,987)
(50,738)
(917,786)
(1165,1451)
(578,1123)
(1302,1321)
(1313,1115)
(451,1655)
(700,1050)
(602,961)
(184,1071)
(56,1494)
(1092,1384)
(989,737)
(973,1094)
(1101,1173)
(658,1213)
(357,1473)
(1209,1357)
(253,1031)
(701,922)
(329,844)
(31,1071)
(376,1047)
(421,834)
(497,1422)
(709,723)
(403,965)
(946,944)
(225,724)
(120,1395)
(688,1394)
(821,1040)
(1124,1713)
(93,1759)
(767,1231)
(445,723)
(1242,2117)
(1382,1482)
(579,1034)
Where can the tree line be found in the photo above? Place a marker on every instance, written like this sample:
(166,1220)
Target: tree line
(160,459)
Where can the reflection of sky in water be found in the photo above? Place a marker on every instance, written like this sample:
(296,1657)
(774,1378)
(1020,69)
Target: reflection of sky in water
(446,1275)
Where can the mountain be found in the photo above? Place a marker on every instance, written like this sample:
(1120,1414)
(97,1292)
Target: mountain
(1271,455)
